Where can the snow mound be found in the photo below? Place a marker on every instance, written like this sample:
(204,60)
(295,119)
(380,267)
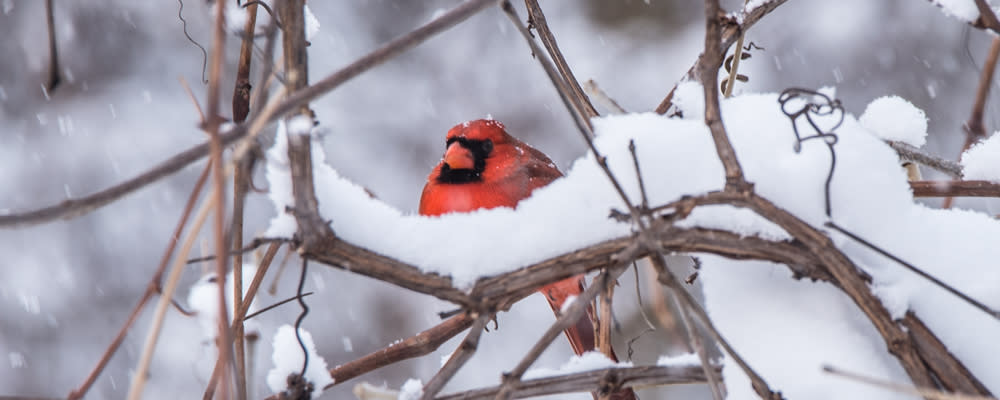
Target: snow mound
(894,118)
(287,358)
(982,160)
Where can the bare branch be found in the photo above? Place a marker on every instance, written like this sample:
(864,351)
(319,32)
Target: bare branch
(423,343)
(461,355)
(633,377)
(568,317)
(708,67)
(955,189)
(536,19)
(908,152)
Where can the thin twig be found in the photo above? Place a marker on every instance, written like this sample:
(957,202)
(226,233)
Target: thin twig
(241,90)
(908,152)
(737,56)
(421,344)
(240,313)
(899,388)
(461,355)
(694,337)
(139,378)
(689,303)
(634,377)
(211,126)
(569,316)
(54,76)
(537,20)
(151,288)
(590,86)
(275,305)
(937,282)
(955,189)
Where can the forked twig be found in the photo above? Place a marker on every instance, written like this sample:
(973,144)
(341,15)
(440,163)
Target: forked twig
(569,316)
(461,355)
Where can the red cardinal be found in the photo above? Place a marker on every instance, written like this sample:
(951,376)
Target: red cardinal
(485,167)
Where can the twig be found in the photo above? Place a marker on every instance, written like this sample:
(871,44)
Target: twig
(211,126)
(569,316)
(955,189)
(987,19)
(243,173)
(240,313)
(708,67)
(633,377)
(729,36)
(275,305)
(937,282)
(461,355)
(241,90)
(139,378)
(689,303)
(590,86)
(694,337)
(737,56)
(606,318)
(54,77)
(151,288)
(898,388)
(537,20)
(908,152)
(81,206)
(423,343)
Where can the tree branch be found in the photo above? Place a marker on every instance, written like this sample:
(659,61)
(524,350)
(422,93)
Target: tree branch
(955,189)
(633,377)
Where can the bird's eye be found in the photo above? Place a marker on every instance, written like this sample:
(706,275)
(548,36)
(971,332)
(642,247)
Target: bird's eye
(487,146)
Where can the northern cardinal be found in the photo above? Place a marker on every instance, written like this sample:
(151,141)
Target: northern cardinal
(485,167)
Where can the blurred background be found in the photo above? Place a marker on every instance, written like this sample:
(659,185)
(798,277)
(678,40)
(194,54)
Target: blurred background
(67,286)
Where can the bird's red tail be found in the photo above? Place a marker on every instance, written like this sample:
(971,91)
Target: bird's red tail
(580,334)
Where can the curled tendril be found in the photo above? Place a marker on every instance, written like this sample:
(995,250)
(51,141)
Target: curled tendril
(797,104)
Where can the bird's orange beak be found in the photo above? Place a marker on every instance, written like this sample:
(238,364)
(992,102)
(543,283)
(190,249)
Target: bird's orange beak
(458,157)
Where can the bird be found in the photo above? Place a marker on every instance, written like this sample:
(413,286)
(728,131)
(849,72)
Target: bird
(484,167)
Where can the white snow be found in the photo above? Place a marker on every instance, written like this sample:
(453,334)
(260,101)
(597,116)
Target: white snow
(682,360)
(894,118)
(786,329)
(737,220)
(287,358)
(588,361)
(412,390)
(982,160)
